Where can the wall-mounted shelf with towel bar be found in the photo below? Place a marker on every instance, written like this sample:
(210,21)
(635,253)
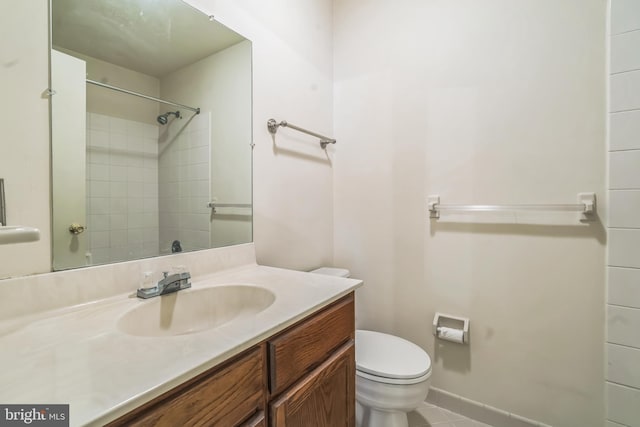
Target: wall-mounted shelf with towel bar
(10,234)
(586,205)
(273,125)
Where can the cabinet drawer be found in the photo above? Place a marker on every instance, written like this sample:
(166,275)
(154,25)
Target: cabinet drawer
(225,396)
(307,344)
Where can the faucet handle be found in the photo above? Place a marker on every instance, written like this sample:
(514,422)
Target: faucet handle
(147,280)
(165,274)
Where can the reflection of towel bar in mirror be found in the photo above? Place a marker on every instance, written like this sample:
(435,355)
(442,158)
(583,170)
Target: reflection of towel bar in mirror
(272,125)
(586,205)
(214,205)
(3,209)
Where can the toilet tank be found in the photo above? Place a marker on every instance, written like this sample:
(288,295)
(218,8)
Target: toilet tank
(332,271)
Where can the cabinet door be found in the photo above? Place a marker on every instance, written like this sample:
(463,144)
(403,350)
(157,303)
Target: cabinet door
(324,398)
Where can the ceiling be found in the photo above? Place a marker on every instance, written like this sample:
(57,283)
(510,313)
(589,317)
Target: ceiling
(154,37)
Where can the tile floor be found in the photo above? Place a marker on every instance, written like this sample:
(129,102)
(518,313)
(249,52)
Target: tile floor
(429,415)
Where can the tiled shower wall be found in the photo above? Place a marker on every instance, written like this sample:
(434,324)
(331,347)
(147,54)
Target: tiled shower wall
(623,295)
(184,160)
(122,189)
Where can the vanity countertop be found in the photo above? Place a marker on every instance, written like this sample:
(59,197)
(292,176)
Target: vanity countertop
(77,356)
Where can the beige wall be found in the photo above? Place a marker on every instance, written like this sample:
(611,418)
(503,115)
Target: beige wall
(24,150)
(491,102)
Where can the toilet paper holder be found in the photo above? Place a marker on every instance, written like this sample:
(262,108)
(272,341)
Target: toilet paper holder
(443,323)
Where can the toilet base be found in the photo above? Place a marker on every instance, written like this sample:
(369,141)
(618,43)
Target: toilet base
(368,417)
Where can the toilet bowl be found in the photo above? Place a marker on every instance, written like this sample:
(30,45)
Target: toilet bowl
(392,375)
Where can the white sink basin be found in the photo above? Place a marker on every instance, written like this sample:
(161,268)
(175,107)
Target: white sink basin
(195,310)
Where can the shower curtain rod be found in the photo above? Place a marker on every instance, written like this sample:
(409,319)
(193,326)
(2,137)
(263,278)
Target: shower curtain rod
(129,92)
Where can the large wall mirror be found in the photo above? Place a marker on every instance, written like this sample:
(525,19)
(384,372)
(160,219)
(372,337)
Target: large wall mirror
(151,131)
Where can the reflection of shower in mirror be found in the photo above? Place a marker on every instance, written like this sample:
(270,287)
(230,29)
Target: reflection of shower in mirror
(164,118)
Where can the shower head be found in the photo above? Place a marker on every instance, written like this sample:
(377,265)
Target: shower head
(164,118)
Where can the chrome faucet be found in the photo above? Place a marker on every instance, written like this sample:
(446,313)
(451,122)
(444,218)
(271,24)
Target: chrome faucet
(168,284)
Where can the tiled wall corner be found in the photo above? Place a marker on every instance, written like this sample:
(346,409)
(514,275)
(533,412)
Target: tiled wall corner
(122,189)
(184,171)
(623,290)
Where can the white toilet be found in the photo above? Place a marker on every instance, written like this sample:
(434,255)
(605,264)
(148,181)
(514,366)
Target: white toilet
(392,375)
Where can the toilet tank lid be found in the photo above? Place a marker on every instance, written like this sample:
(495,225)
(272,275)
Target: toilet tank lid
(332,271)
(388,356)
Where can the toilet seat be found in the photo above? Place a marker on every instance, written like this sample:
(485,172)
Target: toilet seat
(389,359)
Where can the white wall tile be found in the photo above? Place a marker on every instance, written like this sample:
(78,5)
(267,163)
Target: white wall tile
(118,159)
(135,174)
(96,155)
(99,122)
(135,235)
(135,189)
(624,208)
(98,222)
(100,239)
(624,287)
(624,130)
(150,204)
(117,141)
(623,365)
(625,52)
(98,172)
(99,188)
(118,238)
(623,326)
(625,91)
(625,16)
(135,160)
(118,189)
(118,221)
(117,125)
(117,173)
(623,405)
(99,139)
(99,255)
(117,205)
(98,205)
(624,170)
(136,221)
(135,205)
(624,245)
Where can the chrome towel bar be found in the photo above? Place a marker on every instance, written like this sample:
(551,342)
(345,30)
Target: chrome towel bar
(215,205)
(272,125)
(586,205)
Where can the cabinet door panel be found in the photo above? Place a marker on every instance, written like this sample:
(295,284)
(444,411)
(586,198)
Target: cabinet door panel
(296,351)
(325,398)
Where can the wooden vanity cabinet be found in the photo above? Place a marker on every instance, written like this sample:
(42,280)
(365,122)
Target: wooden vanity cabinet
(303,376)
